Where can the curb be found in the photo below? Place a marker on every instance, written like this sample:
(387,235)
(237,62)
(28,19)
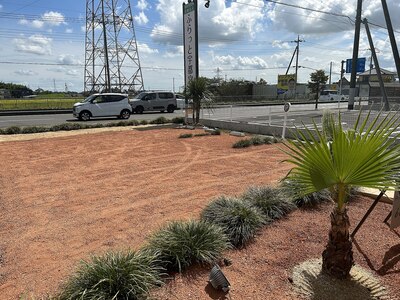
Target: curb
(35,112)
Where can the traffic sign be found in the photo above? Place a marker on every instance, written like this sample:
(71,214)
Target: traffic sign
(360,65)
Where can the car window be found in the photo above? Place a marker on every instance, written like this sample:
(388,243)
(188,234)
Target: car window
(150,96)
(100,99)
(165,95)
(115,98)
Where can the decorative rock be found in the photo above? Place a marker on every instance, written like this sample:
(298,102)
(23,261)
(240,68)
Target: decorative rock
(237,133)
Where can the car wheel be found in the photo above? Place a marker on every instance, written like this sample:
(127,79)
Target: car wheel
(161,111)
(139,109)
(170,108)
(84,116)
(125,114)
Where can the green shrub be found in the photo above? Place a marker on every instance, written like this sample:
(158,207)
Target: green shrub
(240,220)
(202,134)
(159,120)
(132,123)
(13,130)
(34,129)
(290,188)
(144,122)
(185,135)
(257,140)
(117,275)
(178,120)
(271,201)
(66,127)
(242,144)
(2,131)
(182,243)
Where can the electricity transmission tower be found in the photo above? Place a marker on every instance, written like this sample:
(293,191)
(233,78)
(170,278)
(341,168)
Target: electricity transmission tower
(111,54)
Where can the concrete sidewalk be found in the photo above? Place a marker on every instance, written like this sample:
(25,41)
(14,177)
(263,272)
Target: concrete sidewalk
(34,112)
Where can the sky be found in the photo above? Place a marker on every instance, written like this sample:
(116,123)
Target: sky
(42,42)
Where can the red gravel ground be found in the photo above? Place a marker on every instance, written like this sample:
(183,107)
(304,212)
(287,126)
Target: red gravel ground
(65,198)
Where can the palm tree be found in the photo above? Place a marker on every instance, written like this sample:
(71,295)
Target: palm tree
(364,156)
(197,91)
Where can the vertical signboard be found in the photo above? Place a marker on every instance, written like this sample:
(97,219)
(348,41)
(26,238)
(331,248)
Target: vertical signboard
(190,41)
(286,84)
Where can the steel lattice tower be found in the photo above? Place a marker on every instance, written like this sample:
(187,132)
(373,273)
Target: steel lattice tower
(111,54)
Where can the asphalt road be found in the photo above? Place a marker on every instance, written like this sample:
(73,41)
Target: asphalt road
(56,119)
(253,114)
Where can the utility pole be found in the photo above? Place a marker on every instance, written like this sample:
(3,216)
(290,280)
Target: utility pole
(330,74)
(377,68)
(298,41)
(341,76)
(355,56)
(391,36)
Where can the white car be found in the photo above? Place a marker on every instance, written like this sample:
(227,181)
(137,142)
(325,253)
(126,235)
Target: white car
(332,95)
(103,105)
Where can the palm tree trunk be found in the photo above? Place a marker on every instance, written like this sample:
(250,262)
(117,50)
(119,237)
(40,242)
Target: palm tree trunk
(337,258)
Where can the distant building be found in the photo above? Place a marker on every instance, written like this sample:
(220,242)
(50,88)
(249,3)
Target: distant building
(368,84)
(4,94)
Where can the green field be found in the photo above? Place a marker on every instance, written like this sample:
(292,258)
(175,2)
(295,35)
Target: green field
(27,104)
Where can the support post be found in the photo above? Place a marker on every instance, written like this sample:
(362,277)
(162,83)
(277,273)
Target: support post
(355,56)
(377,68)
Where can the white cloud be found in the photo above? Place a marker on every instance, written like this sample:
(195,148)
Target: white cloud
(280,44)
(144,48)
(53,18)
(241,62)
(69,30)
(68,59)
(25,72)
(35,44)
(141,19)
(142,5)
(37,24)
(177,51)
(49,19)
(218,24)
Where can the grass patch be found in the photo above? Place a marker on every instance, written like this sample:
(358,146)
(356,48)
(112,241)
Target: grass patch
(271,201)
(239,220)
(160,120)
(178,120)
(116,275)
(182,243)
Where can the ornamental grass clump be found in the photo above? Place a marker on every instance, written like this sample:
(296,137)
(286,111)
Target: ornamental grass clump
(271,201)
(181,244)
(291,188)
(115,275)
(242,144)
(159,120)
(185,135)
(239,220)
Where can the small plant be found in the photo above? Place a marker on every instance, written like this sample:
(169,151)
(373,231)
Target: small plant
(185,135)
(257,140)
(242,144)
(178,120)
(216,132)
(202,134)
(240,220)
(291,188)
(271,201)
(13,130)
(159,120)
(114,276)
(182,243)
(144,122)
(66,127)
(34,129)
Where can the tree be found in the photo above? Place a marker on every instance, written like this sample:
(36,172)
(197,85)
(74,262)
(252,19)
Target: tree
(197,91)
(364,156)
(317,78)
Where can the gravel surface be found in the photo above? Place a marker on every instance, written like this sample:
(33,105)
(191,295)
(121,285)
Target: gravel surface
(70,196)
